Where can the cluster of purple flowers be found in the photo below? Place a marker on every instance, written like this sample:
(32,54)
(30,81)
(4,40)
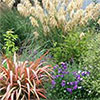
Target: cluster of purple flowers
(61,72)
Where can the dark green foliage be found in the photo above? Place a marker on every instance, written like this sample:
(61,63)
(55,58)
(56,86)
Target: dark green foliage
(11,19)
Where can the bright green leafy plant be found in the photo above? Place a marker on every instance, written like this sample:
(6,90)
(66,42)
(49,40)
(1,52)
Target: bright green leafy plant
(72,47)
(23,80)
(9,40)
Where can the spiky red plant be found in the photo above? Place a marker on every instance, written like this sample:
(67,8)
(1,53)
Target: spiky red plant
(23,81)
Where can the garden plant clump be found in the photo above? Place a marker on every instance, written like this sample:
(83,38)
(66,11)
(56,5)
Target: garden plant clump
(67,82)
(56,49)
(23,80)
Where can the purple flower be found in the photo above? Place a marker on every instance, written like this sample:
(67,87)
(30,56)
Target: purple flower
(64,67)
(76,82)
(61,75)
(75,87)
(74,73)
(53,83)
(69,90)
(55,67)
(64,72)
(78,77)
(59,70)
(54,77)
(83,73)
(63,64)
(71,83)
(57,76)
(88,73)
(63,83)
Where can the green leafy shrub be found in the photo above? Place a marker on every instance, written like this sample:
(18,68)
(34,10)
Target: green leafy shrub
(66,83)
(23,80)
(9,43)
(91,61)
(72,47)
(11,19)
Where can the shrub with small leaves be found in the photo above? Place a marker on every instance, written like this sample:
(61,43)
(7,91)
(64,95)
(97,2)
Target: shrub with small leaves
(9,46)
(72,47)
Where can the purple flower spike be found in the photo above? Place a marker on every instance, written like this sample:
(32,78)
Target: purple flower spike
(63,83)
(53,83)
(75,87)
(69,90)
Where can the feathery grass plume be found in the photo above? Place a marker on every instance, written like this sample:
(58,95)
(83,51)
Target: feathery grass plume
(99,21)
(9,2)
(68,13)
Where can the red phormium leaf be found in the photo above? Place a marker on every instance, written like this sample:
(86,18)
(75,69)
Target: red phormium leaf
(19,81)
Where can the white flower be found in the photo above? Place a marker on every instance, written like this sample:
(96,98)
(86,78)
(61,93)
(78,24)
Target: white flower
(89,92)
(79,87)
(79,71)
